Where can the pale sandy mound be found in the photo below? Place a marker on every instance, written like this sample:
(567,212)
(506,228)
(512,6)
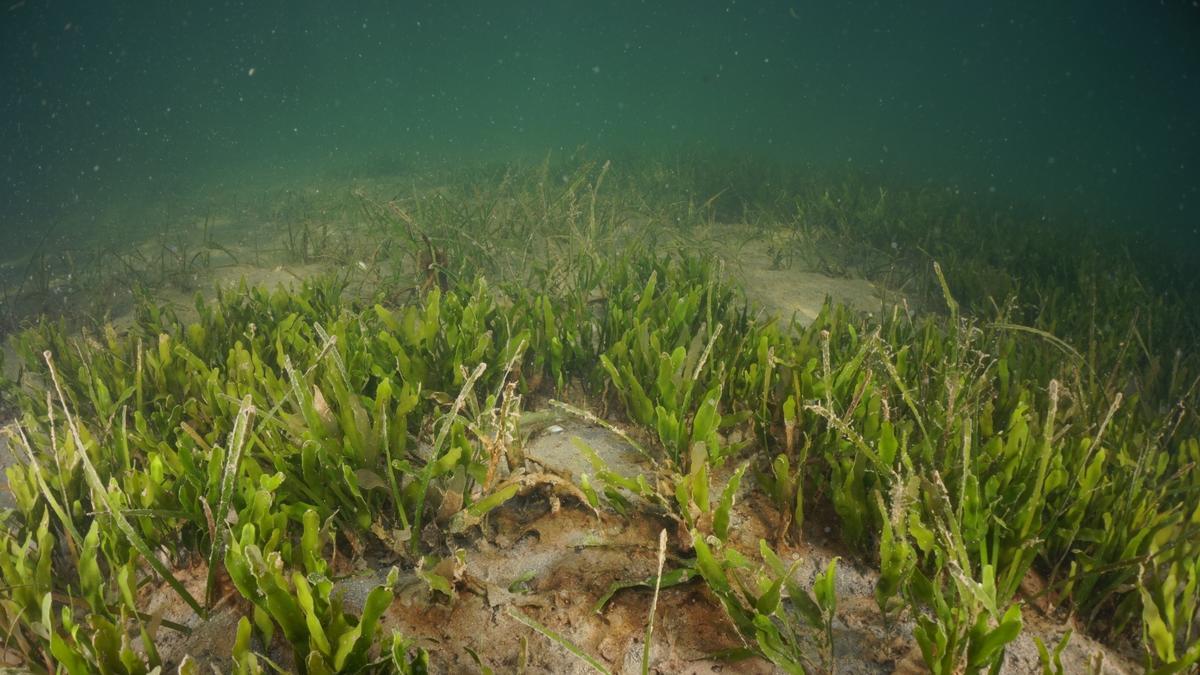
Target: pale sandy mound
(791,293)
(785,291)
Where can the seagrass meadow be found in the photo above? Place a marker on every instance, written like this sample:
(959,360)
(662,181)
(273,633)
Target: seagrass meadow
(576,415)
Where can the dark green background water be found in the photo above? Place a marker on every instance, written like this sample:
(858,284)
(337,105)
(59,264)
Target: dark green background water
(1091,106)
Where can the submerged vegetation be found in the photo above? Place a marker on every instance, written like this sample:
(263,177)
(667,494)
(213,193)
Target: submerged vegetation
(1037,418)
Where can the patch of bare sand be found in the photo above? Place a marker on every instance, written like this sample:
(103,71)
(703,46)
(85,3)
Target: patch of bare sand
(786,292)
(800,295)
(183,301)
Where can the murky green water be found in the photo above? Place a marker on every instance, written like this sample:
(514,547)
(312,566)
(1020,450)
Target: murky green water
(1085,105)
